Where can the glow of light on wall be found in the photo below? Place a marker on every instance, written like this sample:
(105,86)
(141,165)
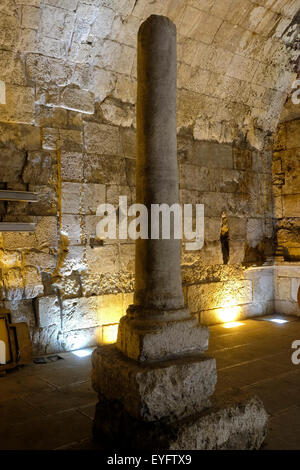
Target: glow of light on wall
(229,313)
(82,352)
(233,324)
(107,334)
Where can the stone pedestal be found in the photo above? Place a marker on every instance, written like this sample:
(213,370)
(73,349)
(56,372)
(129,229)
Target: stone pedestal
(155,384)
(233,421)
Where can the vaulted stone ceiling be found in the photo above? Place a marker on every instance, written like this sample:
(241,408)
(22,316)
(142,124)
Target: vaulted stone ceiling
(236,60)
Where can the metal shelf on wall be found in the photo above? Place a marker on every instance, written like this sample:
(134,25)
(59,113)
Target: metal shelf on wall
(17,227)
(20,196)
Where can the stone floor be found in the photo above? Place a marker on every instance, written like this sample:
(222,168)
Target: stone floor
(51,406)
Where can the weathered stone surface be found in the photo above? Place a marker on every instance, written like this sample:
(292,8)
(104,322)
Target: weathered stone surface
(70,198)
(40,168)
(154,339)
(218,295)
(286,307)
(105,170)
(92,196)
(295,284)
(81,311)
(77,100)
(154,391)
(102,139)
(48,311)
(71,166)
(102,259)
(32,282)
(70,228)
(13,284)
(19,105)
(233,422)
(283,288)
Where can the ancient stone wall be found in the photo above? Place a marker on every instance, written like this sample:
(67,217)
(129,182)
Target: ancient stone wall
(67,131)
(286,189)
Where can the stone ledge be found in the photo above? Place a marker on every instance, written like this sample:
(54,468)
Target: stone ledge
(163,340)
(174,388)
(235,421)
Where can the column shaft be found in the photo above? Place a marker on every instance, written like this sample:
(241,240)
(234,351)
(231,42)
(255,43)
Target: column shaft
(158,273)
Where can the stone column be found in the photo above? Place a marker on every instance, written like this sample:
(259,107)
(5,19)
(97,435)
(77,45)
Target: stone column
(155,381)
(158,325)
(158,276)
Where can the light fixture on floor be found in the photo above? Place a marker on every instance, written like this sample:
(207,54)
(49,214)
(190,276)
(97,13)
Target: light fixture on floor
(233,324)
(280,321)
(82,352)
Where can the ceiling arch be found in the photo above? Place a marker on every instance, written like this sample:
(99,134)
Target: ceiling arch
(236,58)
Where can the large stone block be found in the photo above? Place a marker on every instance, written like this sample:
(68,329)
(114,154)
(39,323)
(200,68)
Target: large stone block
(219,294)
(103,23)
(102,259)
(33,285)
(71,228)
(283,288)
(102,139)
(125,89)
(22,311)
(48,311)
(80,313)
(77,100)
(56,22)
(237,228)
(30,17)
(286,307)
(80,338)
(103,83)
(10,259)
(110,308)
(47,201)
(92,196)
(105,170)
(40,168)
(151,392)
(236,251)
(291,205)
(116,57)
(233,422)
(292,134)
(13,284)
(44,237)
(263,286)
(19,105)
(71,261)
(70,198)
(71,166)
(11,168)
(46,69)
(117,113)
(12,68)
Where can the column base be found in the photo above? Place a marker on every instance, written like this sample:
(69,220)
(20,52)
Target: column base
(233,422)
(153,391)
(157,338)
